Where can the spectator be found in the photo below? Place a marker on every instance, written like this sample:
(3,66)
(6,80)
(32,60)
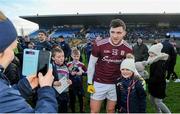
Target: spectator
(131,96)
(77,71)
(43,44)
(12,98)
(170,63)
(13,71)
(157,81)
(30,45)
(140,51)
(103,68)
(88,49)
(65,47)
(60,70)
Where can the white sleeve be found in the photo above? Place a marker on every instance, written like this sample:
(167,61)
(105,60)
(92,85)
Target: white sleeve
(91,68)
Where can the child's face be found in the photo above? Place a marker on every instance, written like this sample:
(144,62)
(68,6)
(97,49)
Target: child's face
(126,73)
(30,46)
(58,58)
(151,54)
(75,57)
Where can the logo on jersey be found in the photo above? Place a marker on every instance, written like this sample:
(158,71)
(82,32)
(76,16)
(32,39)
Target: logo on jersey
(122,52)
(107,51)
(114,51)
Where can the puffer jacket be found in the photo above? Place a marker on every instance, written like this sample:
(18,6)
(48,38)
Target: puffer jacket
(12,98)
(131,96)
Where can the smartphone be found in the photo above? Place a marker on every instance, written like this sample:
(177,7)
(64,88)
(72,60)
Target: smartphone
(30,62)
(43,62)
(35,61)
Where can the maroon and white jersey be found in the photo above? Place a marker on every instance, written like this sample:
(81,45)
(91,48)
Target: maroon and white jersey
(78,64)
(107,68)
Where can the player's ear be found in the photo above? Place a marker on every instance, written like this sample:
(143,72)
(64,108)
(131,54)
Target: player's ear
(124,34)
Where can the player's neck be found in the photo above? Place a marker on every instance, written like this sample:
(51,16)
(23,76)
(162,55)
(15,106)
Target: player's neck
(114,43)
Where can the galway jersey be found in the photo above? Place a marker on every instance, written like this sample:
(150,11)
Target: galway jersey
(107,68)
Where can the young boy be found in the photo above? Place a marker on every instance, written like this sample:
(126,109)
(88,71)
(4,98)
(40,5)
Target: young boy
(77,71)
(60,70)
(157,80)
(131,96)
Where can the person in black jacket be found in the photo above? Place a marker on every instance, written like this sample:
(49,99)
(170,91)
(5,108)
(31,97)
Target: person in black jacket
(13,71)
(140,51)
(65,47)
(131,96)
(43,44)
(157,80)
(170,63)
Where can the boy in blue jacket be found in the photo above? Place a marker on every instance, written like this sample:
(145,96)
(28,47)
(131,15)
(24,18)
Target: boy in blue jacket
(131,96)
(12,98)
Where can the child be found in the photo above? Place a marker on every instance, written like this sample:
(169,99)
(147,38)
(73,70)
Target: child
(131,96)
(77,71)
(157,80)
(60,70)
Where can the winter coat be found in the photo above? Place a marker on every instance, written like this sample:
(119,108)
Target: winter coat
(66,48)
(157,79)
(131,96)
(12,98)
(43,46)
(140,52)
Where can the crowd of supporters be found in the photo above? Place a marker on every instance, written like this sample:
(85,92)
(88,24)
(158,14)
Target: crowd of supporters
(114,59)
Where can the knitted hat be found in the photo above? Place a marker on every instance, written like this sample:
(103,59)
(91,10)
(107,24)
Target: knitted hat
(128,64)
(8,34)
(156,49)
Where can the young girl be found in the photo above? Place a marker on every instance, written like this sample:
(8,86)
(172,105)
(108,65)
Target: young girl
(131,96)
(157,80)
(60,70)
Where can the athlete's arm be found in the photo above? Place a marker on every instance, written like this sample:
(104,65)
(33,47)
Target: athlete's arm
(91,68)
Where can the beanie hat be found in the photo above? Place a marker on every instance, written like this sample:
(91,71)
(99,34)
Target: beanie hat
(156,49)
(128,64)
(8,34)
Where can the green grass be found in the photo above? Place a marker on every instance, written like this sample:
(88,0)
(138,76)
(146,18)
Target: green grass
(172,100)
(177,67)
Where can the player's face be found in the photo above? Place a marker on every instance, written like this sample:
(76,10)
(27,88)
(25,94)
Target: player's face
(126,73)
(59,58)
(76,57)
(41,36)
(117,34)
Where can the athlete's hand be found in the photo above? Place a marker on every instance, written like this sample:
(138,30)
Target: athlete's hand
(90,88)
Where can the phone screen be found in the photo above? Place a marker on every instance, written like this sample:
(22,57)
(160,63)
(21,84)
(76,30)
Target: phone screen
(43,62)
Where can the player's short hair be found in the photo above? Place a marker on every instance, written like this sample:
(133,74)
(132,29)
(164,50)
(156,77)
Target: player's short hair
(117,23)
(61,36)
(43,31)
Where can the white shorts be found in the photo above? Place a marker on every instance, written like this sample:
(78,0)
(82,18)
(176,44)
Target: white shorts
(103,91)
